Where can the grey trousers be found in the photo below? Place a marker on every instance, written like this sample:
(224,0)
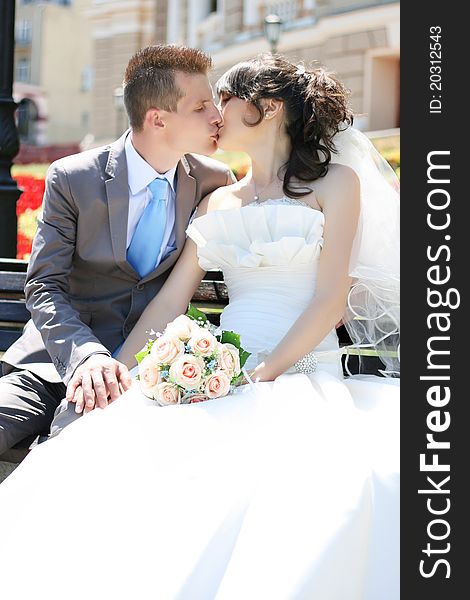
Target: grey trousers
(27,407)
(63,416)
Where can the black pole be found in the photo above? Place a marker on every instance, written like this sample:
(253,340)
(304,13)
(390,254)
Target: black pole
(9,143)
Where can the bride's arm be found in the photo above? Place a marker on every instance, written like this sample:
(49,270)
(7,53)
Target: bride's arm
(341,205)
(171,301)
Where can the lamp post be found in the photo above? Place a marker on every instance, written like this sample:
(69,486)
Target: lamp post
(272,30)
(9,143)
(118,96)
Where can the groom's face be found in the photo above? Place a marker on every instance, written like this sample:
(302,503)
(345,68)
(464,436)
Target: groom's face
(194,126)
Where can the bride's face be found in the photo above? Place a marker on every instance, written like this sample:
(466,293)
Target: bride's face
(235,134)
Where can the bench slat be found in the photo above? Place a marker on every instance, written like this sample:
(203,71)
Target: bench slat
(13,264)
(8,337)
(12,282)
(14,311)
(211,291)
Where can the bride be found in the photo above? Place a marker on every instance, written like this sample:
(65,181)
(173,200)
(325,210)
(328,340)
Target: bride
(287,488)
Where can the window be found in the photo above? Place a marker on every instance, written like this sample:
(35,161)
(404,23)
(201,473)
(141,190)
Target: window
(23,70)
(205,26)
(86,79)
(23,32)
(27,116)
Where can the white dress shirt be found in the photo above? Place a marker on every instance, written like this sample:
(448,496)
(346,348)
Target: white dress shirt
(140,174)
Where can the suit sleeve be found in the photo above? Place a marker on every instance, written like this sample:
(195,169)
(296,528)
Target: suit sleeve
(66,338)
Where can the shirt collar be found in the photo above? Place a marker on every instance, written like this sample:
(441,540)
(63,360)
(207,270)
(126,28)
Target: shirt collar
(140,173)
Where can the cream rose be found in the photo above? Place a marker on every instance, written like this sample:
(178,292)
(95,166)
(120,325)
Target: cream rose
(193,398)
(203,342)
(149,376)
(229,359)
(166,349)
(182,327)
(166,394)
(187,371)
(217,385)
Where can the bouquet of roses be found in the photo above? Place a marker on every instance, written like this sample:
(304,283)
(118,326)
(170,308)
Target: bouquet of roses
(189,363)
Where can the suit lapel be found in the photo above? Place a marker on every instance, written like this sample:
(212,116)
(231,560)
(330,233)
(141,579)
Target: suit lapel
(117,191)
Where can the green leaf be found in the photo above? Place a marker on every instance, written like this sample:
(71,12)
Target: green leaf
(236,380)
(244,355)
(230,337)
(196,314)
(143,353)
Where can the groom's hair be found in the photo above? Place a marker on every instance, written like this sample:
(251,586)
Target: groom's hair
(149,80)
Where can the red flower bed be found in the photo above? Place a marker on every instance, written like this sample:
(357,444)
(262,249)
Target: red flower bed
(27,209)
(33,192)
(23,246)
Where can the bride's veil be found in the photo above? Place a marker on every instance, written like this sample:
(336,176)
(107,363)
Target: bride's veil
(372,317)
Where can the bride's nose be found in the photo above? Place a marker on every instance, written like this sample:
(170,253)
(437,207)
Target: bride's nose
(216,115)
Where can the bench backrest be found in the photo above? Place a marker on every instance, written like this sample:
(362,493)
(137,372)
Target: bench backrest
(13,312)
(210,297)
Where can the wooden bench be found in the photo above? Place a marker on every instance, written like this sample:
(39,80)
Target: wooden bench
(13,311)
(211,297)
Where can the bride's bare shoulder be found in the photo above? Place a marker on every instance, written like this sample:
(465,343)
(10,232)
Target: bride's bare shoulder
(341,176)
(223,198)
(341,181)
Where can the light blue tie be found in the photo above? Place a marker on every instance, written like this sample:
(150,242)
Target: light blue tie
(146,242)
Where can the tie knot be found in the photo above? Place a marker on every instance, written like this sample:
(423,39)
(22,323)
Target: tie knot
(158,188)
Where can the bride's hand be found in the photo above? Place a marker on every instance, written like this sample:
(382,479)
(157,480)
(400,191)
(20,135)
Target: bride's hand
(261,373)
(255,375)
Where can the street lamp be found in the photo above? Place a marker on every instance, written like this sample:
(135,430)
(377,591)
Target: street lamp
(9,144)
(272,30)
(118,96)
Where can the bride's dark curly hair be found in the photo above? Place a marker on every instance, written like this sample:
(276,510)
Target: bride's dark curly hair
(315,108)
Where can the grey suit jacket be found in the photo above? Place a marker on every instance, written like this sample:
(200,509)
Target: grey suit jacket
(83,295)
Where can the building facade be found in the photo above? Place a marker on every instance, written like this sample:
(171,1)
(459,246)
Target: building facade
(53,75)
(359,40)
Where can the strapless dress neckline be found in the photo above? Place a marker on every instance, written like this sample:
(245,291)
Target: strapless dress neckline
(283,201)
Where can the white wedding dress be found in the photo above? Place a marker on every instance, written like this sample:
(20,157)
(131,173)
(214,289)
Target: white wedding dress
(287,490)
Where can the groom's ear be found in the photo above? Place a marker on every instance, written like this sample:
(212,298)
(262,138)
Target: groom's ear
(272,107)
(153,118)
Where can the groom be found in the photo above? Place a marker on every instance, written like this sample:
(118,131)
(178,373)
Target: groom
(113,225)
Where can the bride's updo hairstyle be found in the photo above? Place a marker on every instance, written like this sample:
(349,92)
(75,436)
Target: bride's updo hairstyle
(315,108)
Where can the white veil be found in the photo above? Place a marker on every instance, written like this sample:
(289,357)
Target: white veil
(372,317)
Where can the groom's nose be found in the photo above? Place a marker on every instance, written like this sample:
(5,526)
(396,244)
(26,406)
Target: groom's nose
(216,115)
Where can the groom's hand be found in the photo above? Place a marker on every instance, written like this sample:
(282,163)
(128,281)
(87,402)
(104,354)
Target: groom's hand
(101,380)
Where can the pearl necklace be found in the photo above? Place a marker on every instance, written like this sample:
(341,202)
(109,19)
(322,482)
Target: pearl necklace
(257,194)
